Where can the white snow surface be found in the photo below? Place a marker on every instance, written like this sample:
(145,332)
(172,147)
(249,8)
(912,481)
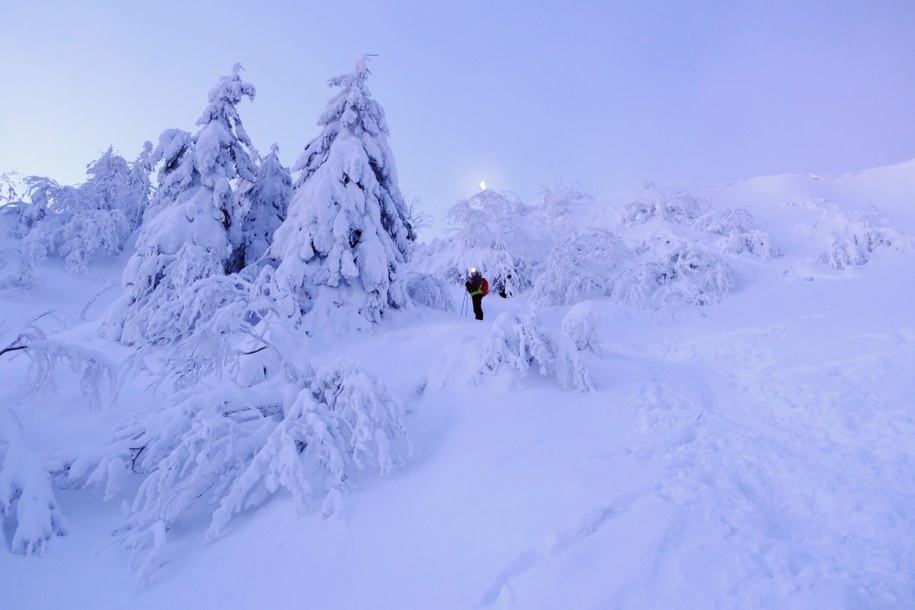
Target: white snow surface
(757,452)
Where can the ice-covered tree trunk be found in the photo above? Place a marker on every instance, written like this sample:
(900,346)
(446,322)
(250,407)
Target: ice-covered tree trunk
(347,233)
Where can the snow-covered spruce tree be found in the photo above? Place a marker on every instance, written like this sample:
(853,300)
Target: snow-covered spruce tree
(192,229)
(491,235)
(265,203)
(347,232)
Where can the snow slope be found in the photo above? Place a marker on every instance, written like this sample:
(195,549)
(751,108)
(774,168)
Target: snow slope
(757,453)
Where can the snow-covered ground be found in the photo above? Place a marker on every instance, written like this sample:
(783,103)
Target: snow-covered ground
(755,453)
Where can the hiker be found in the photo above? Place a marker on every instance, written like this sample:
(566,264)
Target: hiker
(478,287)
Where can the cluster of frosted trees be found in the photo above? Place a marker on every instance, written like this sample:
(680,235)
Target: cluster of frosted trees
(238,260)
(235,264)
(660,252)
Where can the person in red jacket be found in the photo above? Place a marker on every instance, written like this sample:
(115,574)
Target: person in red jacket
(478,288)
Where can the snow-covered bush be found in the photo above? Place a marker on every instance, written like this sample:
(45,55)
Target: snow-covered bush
(674,271)
(679,208)
(491,236)
(347,233)
(860,242)
(97,374)
(192,229)
(426,290)
(521,343)
(29,512)
(739,233)
(581,267)
(76,224)
(582,326)
(233,447)
(555,219)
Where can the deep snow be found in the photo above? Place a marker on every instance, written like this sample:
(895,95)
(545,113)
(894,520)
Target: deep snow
(757,453)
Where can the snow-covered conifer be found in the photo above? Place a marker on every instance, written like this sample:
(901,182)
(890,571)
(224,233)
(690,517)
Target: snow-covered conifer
(347,232)
(265,203)
(192,229)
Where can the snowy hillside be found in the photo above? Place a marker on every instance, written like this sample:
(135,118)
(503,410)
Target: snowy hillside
(697,399)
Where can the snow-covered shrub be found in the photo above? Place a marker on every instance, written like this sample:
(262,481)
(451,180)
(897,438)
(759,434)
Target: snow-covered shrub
(18,264)
(680,208)
(234,447)
(426,290)
(28,508)
(582,267)
(521,343)
(344,420)
(491,236)
(739,233)
(860,243)
(554,213)
(347,232)
(582,326)
(674,271)
(97,374)
(76,224)
(82,236)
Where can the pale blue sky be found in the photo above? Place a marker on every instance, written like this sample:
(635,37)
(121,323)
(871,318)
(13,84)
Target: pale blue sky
(518,93)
